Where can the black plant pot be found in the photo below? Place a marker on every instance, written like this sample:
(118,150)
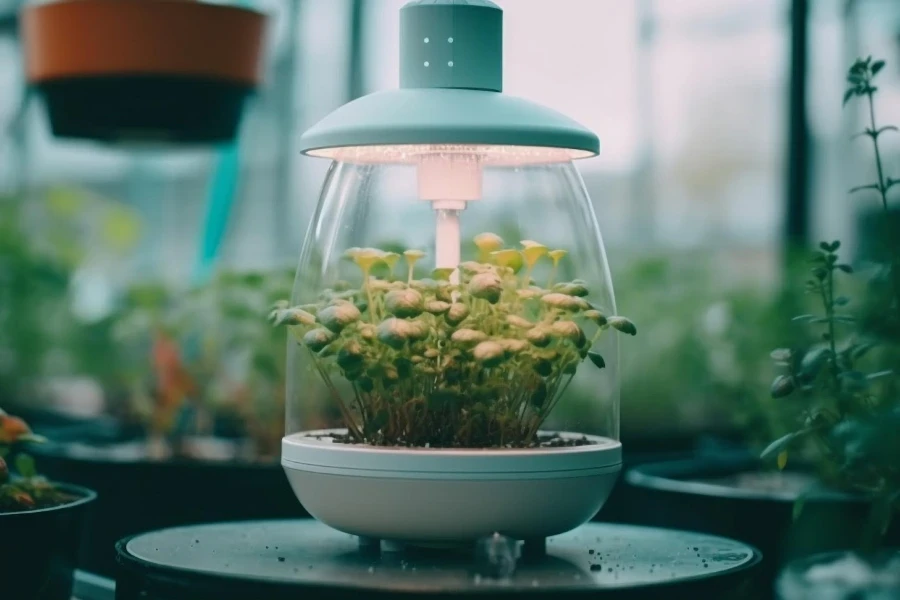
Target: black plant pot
(153,108)
(142,495)
(639,450)
(39,548)
(673,494)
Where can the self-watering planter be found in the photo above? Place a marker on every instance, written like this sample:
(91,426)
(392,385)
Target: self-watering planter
(157,70)
(447,378)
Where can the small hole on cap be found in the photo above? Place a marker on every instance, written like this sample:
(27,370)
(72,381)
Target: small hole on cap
(450,64)
(426,40)
(426,63)
(450,40)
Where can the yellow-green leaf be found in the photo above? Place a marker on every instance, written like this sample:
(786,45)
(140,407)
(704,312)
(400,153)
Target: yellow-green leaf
(782,459)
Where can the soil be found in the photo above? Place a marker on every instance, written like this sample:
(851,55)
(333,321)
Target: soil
(543,441)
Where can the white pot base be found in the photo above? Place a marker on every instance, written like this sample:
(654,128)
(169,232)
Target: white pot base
(450,496)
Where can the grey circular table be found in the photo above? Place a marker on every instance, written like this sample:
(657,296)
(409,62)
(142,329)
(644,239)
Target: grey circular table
(271,560)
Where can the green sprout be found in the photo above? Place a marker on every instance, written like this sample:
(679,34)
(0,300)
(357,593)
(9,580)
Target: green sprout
(477,363)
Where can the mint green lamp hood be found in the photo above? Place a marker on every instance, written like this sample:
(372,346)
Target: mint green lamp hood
(451,79)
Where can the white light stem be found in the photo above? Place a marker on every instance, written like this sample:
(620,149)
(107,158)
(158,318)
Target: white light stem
(447,241)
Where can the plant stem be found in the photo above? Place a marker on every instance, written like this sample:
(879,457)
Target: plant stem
(369,296)
(882,191)
(828,302)
(552,274)
(882,186)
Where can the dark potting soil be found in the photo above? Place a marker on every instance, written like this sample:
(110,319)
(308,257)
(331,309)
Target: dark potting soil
(543,441)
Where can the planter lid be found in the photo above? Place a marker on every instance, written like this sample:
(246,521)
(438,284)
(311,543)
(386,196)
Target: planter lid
(451,78)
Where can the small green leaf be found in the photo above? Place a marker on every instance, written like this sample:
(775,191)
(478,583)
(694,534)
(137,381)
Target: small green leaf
(847,95)
(781,354)
(622,324)
(803,318)
(841,301)
(860,350)
(877,66)
(784,385)
(442,273)
(813,360)
(781,443)
(31,438)
(847,319)
(25,466)
(597,360)
(879,374)
(845,268)
(782,459)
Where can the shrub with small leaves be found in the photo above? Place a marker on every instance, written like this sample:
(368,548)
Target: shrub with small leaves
(844,388)
(476,362)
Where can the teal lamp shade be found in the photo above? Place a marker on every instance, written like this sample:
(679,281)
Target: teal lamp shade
(451,55)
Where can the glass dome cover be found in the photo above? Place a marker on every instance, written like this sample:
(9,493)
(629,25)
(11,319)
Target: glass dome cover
(478,343)
(453,320)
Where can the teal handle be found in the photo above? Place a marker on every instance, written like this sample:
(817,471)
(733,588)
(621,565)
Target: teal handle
(220,200)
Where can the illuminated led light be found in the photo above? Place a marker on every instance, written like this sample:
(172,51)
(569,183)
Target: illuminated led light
(493,155)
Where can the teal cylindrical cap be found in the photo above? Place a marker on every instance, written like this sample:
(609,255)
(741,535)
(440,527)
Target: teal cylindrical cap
(451,44)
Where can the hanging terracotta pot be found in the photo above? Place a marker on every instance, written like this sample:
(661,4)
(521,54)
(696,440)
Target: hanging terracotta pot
(134,70)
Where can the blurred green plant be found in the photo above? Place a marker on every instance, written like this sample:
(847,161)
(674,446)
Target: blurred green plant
(472,358)
(700,363)
(204,348)
(842,390)
(44,239)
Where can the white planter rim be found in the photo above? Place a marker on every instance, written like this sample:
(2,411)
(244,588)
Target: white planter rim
(303,451)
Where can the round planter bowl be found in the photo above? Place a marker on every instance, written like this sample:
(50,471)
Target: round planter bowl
(449,496)
(40,548)
(154,70)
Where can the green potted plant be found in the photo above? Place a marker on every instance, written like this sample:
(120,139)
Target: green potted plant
(454,371)
(42,521)
(829,481)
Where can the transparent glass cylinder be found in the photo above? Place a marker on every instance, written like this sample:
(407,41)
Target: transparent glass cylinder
(510,335)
